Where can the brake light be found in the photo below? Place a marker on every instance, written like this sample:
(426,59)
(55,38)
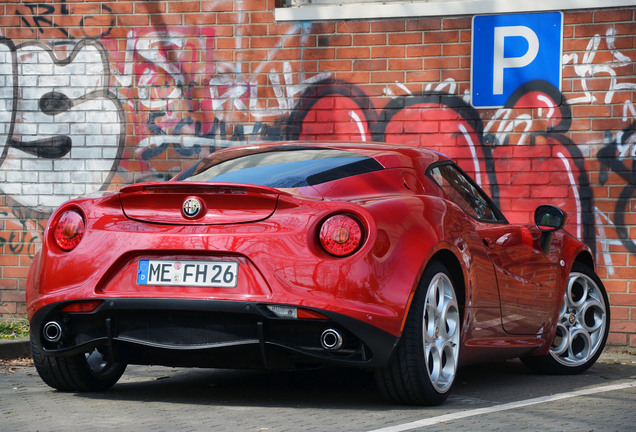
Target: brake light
(69,230)
(309,314)
(341,235)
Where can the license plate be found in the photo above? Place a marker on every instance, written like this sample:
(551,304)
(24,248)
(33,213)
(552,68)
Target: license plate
(223,274)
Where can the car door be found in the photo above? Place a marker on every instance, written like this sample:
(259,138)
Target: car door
(526,276)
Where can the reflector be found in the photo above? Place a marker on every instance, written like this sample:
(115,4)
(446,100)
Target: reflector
(283,311)
(292,312)
(84,306)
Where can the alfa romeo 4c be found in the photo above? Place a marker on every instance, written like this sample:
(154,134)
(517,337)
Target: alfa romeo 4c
(297,255)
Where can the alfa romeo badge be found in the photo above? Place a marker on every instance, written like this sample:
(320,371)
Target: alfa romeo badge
(191,207)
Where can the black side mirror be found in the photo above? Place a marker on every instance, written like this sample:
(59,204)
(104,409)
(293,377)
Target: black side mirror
(548,219)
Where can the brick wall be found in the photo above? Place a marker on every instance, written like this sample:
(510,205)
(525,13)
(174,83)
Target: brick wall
(95,95)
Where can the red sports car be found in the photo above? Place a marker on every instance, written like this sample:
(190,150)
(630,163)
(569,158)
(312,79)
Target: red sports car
(293,255)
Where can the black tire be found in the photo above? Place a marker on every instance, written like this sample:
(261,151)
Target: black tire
(423,367)
(89,372)
(582,329)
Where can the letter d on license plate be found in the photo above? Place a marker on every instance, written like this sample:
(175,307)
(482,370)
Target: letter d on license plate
(223,274)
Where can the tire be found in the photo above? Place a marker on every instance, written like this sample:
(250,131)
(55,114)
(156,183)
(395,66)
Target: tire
(582,327)
(89,372)
(423,367)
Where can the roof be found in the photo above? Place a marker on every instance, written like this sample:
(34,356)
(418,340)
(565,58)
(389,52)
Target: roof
(388,154)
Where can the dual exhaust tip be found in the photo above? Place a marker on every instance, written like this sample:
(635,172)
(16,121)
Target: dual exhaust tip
(52,331)
(330,339)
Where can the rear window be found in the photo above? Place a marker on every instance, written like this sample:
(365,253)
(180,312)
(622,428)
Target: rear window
(284,168)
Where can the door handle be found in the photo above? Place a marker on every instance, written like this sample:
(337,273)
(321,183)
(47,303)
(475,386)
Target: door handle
(488,242)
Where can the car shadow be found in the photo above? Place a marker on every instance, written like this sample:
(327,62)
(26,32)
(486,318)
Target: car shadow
(343,388)
(321,388)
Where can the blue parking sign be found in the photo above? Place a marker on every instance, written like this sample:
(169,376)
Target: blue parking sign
(511,50)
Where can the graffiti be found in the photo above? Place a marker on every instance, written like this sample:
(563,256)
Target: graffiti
(39,17)
(588,68)
(163,66)
(155,77)
(613,157)
(195,144)
(40,13)
(89,103)
(233,91)
(23,231)
(182,103)
(484,146)
(63,140)
(566,180)
(507,125)
(447,123)
(159,72)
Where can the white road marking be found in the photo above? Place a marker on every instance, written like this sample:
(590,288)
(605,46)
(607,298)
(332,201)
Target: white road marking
(504,407)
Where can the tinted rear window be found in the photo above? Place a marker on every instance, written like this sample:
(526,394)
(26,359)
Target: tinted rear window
(285,168)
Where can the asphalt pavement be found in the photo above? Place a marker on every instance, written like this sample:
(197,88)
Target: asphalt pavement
(501,396)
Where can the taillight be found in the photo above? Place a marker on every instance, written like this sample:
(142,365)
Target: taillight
(341,235)
(69,230)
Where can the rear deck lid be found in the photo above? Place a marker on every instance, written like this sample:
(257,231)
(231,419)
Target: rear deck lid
(194,203)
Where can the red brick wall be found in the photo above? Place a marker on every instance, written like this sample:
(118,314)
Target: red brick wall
(155,85)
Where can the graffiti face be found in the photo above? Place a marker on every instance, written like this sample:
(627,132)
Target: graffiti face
(7,91)
(64,130)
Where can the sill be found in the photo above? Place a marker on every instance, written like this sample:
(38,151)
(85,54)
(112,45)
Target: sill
(413,9)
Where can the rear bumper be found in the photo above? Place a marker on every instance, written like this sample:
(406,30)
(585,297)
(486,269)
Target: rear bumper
(209,333)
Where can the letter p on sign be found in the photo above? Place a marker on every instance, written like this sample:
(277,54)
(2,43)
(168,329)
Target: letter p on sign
(511,51)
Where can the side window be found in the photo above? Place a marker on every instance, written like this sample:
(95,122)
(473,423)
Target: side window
(465,193)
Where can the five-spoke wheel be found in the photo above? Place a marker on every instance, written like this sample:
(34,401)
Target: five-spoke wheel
(582,326)
(441,332)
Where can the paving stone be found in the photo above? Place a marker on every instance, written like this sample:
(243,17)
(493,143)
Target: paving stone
(157,399)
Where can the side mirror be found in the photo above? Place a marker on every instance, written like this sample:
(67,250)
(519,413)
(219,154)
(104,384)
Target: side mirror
(548,219)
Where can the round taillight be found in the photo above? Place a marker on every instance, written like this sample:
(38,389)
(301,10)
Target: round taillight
(69,230)
(341,235)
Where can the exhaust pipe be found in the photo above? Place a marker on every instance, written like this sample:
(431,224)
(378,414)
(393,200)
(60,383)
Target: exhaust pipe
(52,331)
(331,340)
